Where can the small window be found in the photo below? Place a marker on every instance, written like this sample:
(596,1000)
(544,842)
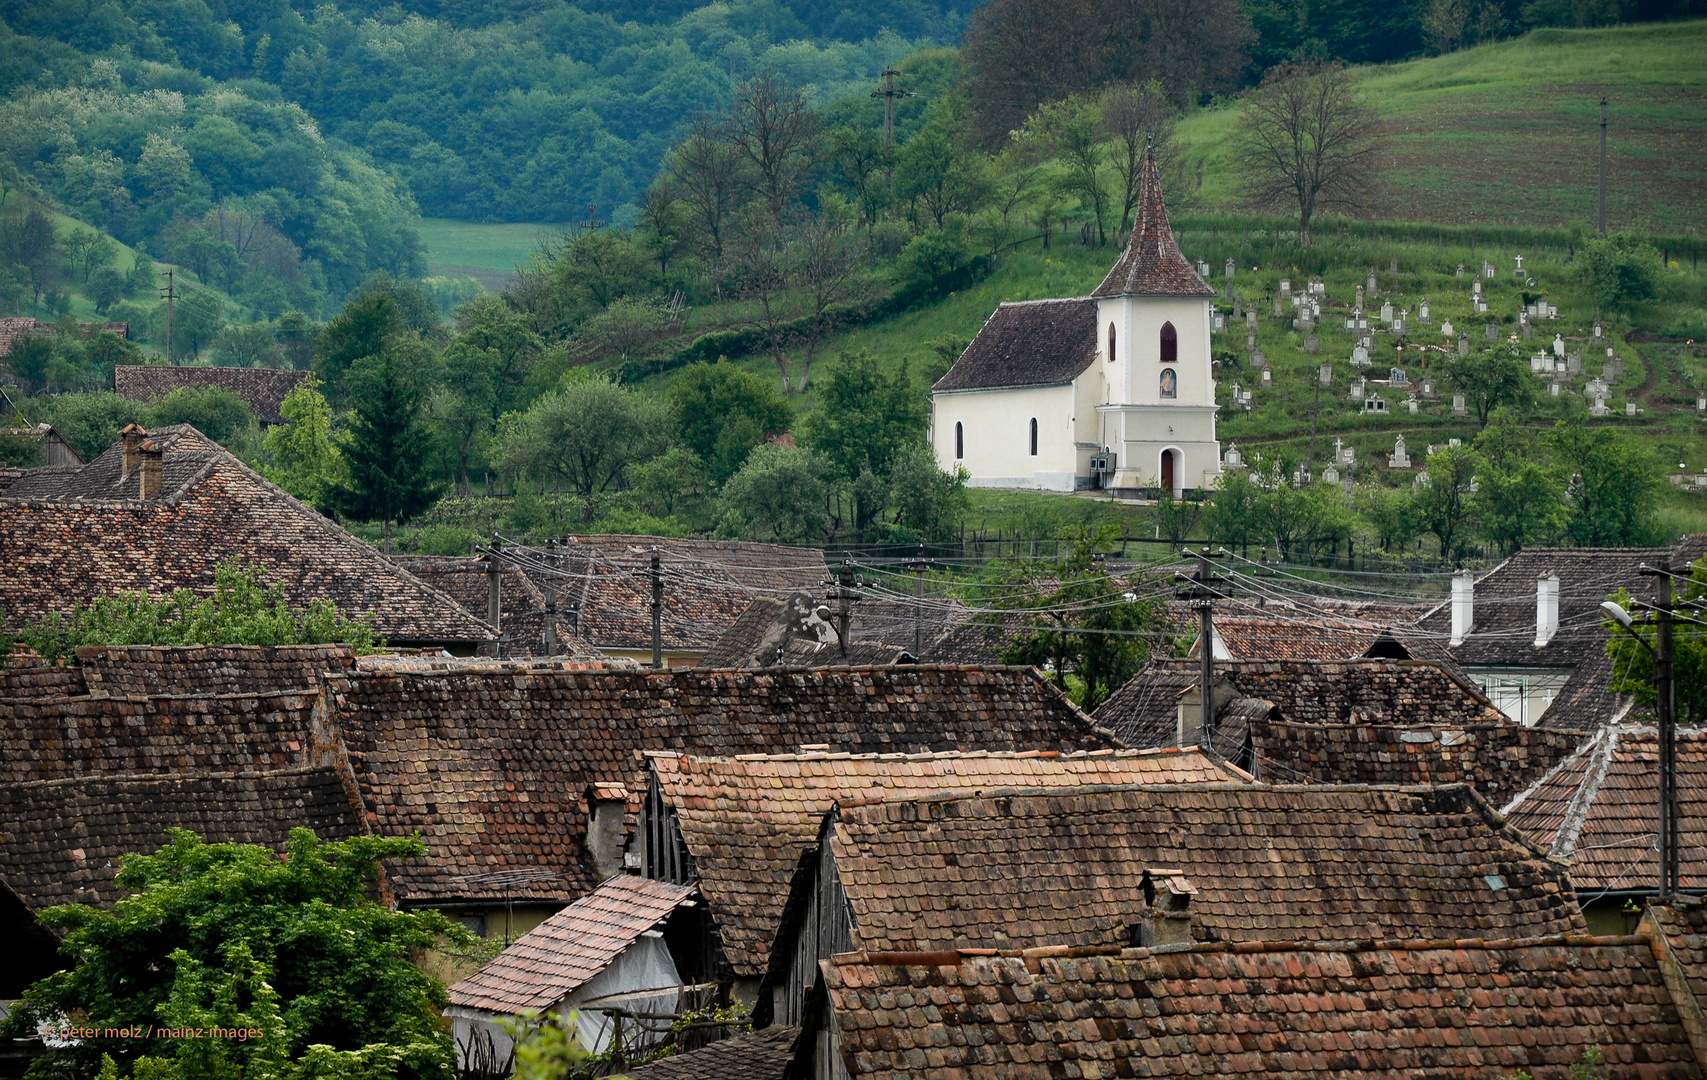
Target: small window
(1170,345)
(1034,436)
(1111,343)
(959,441)
(1170,383)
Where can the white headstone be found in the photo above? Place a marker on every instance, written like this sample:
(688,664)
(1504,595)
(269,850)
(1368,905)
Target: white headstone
(1325,375)
(1558,345)
(1476,288)
(1519,259)
(1387,312)
(1458,408)
(1229,269)
(1267,376)
(1487,269)
(1359,305)
(1446,329)
(1701,404)
(1357,388)
(1460,272)
(1331,475)
(1203,269)
(1233,459)
(1422,310)
(1599,407)
(1597,328)
(1400,459)
(1374,404)
(1219,322)
(1359,356)
(1286,287)
(1629,408)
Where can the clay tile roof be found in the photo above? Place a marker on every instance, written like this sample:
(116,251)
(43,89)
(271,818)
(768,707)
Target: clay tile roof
(708,584)
(1152,264)
(756,1055)
(1503,634)
(1597,810)
(62,839)
(493,764)
(560,954)
(1027,343)
(87,534)
(1682,926)
(746,820)
(1296,862)
(1445,1010)
(1294,639)
(262,389)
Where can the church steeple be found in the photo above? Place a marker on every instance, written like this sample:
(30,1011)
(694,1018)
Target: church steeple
(1152,264)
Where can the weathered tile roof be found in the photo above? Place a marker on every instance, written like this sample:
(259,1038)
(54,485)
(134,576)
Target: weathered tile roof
(554,958)
(1152,264)
(93,536)
(521,603)
(262,389)
(1027,343)
(1599,810)
(492,766)
(746,820)
(1503,633)
(756,1055)
(209,669)
(1285,862)
(1679,932)
(1144,711)
(1296,639)
(1441,1010)
(708,584)
(880,630)
(13,327)
(60,840)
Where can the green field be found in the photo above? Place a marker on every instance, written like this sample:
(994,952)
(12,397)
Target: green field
(489,253)
(1507,134)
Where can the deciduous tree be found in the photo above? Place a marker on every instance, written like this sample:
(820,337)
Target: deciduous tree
(1306,139)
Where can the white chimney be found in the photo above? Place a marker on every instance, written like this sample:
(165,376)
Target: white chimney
(1463,605)
(1546,608)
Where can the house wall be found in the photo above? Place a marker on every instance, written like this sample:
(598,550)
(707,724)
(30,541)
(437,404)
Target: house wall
(826,929)
(1523,694)
(997,426)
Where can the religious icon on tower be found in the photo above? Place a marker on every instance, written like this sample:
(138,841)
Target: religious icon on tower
(1170,383)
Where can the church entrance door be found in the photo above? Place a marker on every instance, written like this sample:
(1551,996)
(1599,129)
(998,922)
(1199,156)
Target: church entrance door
(1167,484)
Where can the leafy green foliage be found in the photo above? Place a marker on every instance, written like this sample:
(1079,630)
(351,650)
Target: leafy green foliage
(722,412)
(781,494)
(1491,379)
(214,411)
(285,947)
(1445,501)
(244,610)
(302,454)
(1619,269)
(587,433)
(1091,634)
(1612,487)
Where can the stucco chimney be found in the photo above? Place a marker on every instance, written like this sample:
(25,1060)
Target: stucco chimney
(1546,608)
(133,436)
(150,457)
(1463,605)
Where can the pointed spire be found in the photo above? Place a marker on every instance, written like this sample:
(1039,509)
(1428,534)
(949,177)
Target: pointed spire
(1152,264)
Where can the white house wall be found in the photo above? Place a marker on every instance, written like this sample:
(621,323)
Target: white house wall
(1136,422)
(997,425)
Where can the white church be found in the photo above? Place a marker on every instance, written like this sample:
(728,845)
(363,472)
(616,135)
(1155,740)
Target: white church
(1112,390)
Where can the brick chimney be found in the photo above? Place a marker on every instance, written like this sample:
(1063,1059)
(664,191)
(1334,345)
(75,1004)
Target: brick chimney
(1546,608)
(1166,919)
(1463,605)
(133,436)
(150,457)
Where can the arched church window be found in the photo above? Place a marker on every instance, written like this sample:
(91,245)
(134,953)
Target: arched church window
(1170,344)
(1034,436)
(1170,383)
(1111,343)
(959,441)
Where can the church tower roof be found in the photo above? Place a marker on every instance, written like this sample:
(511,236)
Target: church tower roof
(1152,264)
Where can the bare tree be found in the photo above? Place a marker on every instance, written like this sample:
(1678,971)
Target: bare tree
(1306,137)
(758,273)
(1138,117)
(828,272)
(774,129)
(706,168)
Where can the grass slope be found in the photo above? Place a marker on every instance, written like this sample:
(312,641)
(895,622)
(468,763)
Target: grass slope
(1508,133)
(489,253)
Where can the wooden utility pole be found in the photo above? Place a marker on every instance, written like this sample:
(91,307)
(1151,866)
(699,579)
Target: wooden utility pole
(171,293)
(1603,166)
(494,593)
(552,561)
(1203,599)
(889,93)
(657,615)
(918,566)
(1665,710)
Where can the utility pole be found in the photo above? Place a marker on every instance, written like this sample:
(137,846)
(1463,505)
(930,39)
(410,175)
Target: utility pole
(494,592)
(918,566)
(889,93)
(657,615)
(1203,599)
(1603,166)
(844,594)
(1665,709)
(171,293)
(551,561)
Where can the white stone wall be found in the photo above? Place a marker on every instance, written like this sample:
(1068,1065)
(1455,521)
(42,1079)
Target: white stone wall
(997,425)
(1134,377)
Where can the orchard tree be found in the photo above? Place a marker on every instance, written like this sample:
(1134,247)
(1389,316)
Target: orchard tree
(1306,138)
(781,494)
(587,434)
(723,411)
(1445,503)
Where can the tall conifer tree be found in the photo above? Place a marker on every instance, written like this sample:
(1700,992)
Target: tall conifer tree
(388,453)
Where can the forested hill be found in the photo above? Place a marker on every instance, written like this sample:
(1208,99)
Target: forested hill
(520,111)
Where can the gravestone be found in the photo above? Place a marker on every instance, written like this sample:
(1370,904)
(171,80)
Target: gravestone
(1203,270)
(1277,307)
(1393,264)
(1597,329)
(1286,288)
(1446,329)
(1371,283)
(1374,404)
(1460,271)
(1218,321)
(1258,359)
(1701,404)
(1229,270)
(1399,459)
(1629,408)
(1357,387)
(1351,322)
(1412,404)
(1251,320)
(1359,356)
(1463,344)
(1267,376)
(1319,289)
(1325,375)
(1558,345)
(1458,408)
(1330,475)
(1597,387)
(1387,312)
(1311,344)
(1357,308)
(1399,323)
(1519,270)
(1422,311)
(1250,341)
(1428,388)
(1539,364)
(1493,332)
(1553,388)
(1574,364)
(1487,269)
(1239,306)
(1232,459)
(1526,333)
(1476,288)
(1345,455)
(1396,377)
(1599,407)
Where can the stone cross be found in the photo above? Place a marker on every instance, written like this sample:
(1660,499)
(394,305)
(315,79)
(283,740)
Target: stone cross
(1229,268)
(1519,264)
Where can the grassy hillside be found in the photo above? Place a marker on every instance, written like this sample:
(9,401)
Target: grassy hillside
(488,253)
(1509,133)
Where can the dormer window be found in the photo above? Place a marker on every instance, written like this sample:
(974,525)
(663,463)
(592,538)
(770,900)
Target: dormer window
(1111,343)
(1170,344)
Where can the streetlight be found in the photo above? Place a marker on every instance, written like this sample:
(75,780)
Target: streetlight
(1665,713)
